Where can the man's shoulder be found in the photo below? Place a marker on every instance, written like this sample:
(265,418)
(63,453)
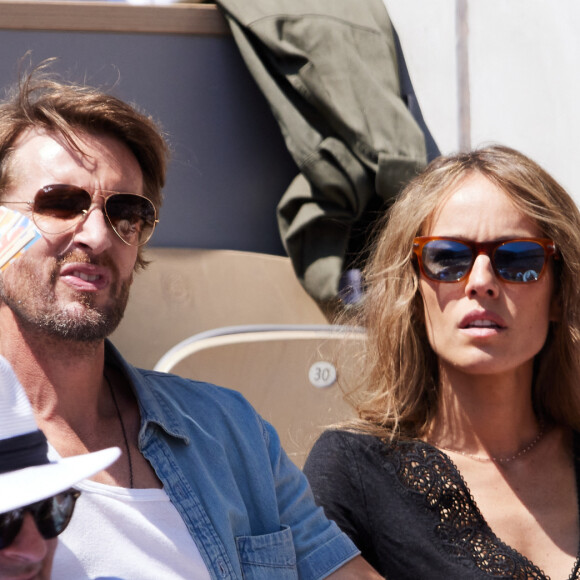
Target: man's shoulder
(177,386)
(174,401)
(166,382)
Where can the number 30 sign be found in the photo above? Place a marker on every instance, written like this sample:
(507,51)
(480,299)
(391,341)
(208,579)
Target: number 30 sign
(322,374)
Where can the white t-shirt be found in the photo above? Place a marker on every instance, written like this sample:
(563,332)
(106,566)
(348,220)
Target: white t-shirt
(126,534)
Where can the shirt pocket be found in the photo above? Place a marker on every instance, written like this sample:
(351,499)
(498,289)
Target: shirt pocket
(268,556)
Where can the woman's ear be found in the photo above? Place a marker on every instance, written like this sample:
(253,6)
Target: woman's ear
(556,308)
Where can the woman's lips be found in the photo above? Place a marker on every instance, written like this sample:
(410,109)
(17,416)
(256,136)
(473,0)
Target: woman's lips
(482,321)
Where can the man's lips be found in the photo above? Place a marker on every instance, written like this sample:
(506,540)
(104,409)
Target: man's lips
(482,320)
(85,276)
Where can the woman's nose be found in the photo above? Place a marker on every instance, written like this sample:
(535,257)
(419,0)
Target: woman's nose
(482,280)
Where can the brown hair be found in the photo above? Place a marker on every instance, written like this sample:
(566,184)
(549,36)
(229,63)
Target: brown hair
(40,101)
(398,394)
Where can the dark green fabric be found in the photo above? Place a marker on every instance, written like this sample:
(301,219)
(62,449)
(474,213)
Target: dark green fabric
(329,72)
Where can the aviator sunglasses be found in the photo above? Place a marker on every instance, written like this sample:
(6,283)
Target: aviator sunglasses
(51,515)
(59,208)
(521,260)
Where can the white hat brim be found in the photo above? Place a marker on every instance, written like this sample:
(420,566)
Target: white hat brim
(31,484)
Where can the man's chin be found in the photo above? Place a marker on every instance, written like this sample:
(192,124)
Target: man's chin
(74,323)
(86,329)
(82,317)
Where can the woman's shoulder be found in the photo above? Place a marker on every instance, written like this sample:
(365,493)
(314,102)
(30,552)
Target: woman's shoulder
(360,438)
(342,438)
(338,447)
(361,447)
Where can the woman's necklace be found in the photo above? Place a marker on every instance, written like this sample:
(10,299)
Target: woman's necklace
(521,452)
(123,430)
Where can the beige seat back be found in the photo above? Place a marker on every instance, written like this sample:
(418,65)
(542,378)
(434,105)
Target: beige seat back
(287,373)
(186,291)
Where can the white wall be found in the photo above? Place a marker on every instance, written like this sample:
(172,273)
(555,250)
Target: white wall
(524,75)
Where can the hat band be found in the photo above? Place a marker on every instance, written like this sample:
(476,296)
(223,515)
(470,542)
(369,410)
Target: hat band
(23,451)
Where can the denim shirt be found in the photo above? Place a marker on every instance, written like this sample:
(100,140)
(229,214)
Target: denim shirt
(248,508)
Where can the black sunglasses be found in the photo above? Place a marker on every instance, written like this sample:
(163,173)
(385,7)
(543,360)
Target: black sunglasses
(521,260)
(60,207)
(51,515)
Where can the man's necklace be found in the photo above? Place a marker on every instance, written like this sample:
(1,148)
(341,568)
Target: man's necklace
(123,430)
(509,459)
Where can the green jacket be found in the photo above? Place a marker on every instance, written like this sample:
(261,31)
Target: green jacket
(328,69)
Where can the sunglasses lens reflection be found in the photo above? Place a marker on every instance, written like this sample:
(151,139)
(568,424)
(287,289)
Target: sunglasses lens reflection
(10,524)
(520,261)
(446,260)
(60,202)
(450,260)
(51,517)
(132,217)
(59,208)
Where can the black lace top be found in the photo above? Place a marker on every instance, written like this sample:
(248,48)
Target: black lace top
(409,511)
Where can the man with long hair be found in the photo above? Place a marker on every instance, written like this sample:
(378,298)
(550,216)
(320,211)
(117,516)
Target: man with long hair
(203,489)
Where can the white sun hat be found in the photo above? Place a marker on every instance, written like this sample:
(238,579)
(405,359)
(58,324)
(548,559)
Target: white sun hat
(26,474)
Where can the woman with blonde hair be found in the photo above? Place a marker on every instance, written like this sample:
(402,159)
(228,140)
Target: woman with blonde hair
(463,461)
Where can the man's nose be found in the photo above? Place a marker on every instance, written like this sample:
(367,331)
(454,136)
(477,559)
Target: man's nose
(94,231)
(29,545)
